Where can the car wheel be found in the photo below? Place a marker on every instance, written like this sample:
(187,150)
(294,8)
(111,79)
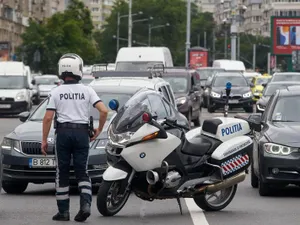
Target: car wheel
(204,103)
(249,109)
(254,178)
(14,187)
(210,108)
(264,188)
(37,100)
(189,118)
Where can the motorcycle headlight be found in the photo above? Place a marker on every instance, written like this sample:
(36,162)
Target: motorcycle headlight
(247,95)
(276,149)
(20,96)
(122,138)
(11,144)
(215,95)
(181,100)
(101,144)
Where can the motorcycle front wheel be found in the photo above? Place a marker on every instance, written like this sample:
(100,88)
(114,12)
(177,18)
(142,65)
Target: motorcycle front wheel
(216,201)
(111,197)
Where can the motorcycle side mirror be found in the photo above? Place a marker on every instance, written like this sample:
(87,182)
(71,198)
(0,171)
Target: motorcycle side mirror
(228,88)
(114,105)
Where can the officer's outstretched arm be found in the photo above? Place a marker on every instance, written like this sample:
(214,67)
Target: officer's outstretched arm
(103,114)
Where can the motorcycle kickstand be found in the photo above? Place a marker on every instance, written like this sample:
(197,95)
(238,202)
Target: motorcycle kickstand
(179,204)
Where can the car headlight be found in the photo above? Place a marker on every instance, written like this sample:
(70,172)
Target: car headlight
(261,107)
(101,144)
(122,138)
(215,95)
(181,100)
(276,149)
(11,144)
(20,96)
(247,95)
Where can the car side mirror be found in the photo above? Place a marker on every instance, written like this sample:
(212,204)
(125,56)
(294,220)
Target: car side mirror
(24,116)
(56,82)
(264,85)
(33,82)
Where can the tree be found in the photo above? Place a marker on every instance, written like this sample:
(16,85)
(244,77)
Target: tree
(162,11)
(65,32)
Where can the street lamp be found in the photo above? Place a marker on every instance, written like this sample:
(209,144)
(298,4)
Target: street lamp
(154,27)
(188,32)
(134,41)
(142,20)
(118,25)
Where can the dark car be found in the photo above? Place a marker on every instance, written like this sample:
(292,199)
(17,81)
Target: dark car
(285,76)
(187,91)
(23,162)
(206,72)
(240,96)
(158,106)
(276,157)
(269,90)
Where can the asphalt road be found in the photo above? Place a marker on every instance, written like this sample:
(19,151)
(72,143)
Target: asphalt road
(37,205)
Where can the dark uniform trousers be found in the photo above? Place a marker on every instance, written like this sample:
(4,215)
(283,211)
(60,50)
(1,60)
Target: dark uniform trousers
(72,143)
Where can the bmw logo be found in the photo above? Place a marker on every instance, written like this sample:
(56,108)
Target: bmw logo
(142,155)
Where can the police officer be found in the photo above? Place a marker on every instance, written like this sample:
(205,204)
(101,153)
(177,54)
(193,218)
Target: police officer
(71,103)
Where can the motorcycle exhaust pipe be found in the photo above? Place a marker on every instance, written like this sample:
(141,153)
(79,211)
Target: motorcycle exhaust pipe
(152,177)
(212,188)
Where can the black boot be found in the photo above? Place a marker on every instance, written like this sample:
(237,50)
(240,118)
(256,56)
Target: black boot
(83,213)
(61,216)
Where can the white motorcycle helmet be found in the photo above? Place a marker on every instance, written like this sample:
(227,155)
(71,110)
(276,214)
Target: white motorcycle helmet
(70,64)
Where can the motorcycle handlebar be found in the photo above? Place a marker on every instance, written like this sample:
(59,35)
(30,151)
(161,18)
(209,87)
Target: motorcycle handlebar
(175,124)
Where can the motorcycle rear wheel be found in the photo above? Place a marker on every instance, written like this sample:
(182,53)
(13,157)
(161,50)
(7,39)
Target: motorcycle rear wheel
(221,201)
(109,200)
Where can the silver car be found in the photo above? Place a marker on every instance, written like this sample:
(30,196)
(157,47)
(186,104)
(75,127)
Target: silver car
(46,83)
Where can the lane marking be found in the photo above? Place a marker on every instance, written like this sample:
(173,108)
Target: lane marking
(196,213)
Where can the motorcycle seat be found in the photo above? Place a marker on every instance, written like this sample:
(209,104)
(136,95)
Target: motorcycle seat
(200,145)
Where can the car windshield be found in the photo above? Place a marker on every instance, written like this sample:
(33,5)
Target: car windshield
(46,80)
(236,81)
(286,77)
(178,84)
(13,82)
(135,66)
(38,115)
(272,88)
(262,80)
(287,109)
(204,74)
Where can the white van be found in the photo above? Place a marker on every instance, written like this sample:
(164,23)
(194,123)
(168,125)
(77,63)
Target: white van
(229,65)
(141,58)
(15,88)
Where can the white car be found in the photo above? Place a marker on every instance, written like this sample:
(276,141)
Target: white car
(46,83)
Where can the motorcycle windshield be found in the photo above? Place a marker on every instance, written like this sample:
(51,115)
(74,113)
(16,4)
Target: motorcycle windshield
(129,116)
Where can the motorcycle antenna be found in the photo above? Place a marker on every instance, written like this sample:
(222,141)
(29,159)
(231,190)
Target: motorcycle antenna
(226,106)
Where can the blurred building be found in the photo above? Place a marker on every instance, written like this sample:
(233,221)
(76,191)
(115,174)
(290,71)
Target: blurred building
(277,8)
(14,17)
(100,10)
(205,5)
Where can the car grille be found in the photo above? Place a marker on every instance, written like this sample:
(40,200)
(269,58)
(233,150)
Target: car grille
(34,148)
(235,97)
(4,100)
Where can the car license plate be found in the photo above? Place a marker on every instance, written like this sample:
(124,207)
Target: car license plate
(42,163)
(233,101)
(5,106)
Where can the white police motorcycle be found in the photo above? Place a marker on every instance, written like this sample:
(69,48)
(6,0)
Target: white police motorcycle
(205,165)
